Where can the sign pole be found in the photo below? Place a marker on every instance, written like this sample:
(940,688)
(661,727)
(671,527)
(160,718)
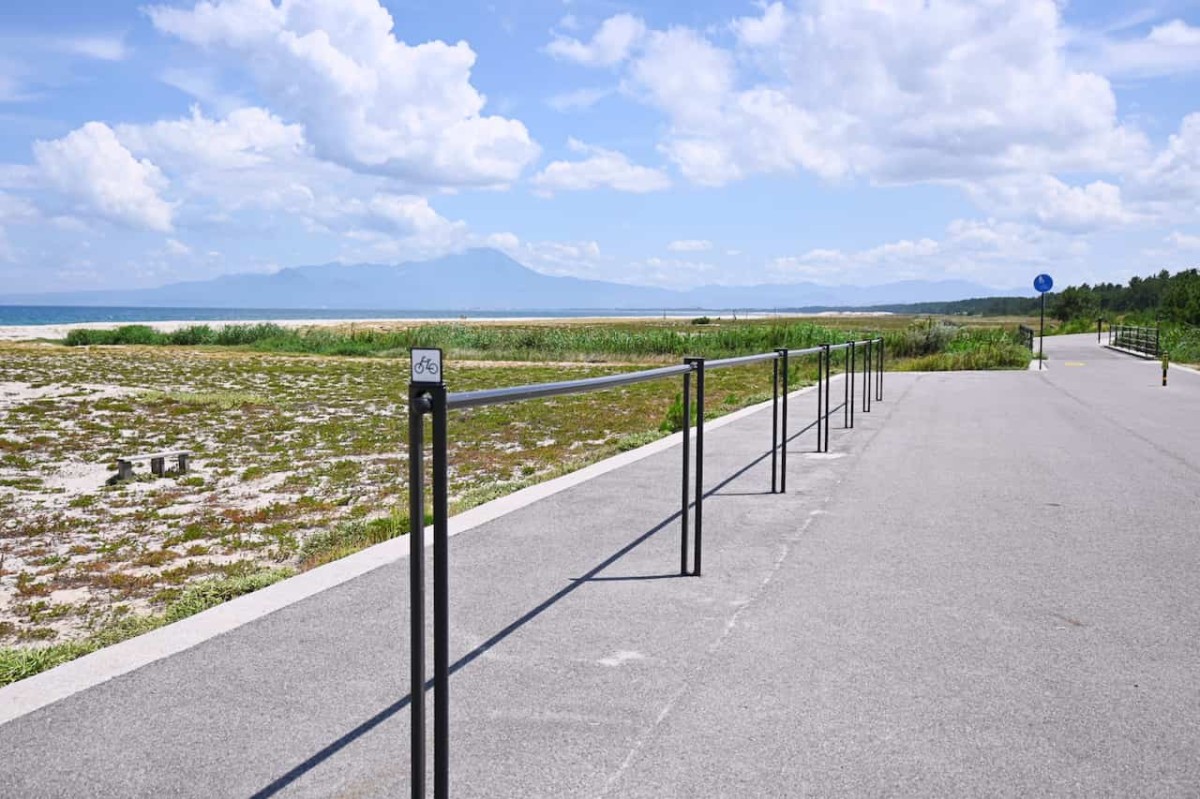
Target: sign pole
(427,396)
(1042,283)
(1042,333)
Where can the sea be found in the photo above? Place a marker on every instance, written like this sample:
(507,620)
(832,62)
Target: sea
(17,315)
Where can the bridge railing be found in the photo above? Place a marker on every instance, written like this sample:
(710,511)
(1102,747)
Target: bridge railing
(428,396)
(1144,340)
(1027,335)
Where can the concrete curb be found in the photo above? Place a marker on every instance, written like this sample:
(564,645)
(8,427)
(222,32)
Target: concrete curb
(40,690)
(1185,368)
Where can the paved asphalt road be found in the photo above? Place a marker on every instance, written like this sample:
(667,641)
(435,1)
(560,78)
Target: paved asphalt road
(991,586)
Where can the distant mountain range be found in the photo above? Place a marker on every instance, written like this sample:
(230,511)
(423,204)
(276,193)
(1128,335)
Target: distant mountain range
(489,280)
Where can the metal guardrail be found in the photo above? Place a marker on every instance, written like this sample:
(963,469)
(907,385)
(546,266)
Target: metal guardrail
(1027,335)
(1146,340)
(428,395)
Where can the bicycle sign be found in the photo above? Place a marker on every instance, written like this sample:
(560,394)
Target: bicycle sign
(426,366)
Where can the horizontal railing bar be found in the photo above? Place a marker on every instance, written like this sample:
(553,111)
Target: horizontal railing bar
(497,396)
(740,360)
(807,351)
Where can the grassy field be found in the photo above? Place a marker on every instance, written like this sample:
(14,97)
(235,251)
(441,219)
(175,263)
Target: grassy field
(301,458)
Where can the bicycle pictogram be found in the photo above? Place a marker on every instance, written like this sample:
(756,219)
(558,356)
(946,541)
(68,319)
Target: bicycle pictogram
(426,365)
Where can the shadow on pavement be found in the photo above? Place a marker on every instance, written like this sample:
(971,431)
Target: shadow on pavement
(319,757)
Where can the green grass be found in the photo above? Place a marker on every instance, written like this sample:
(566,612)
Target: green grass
(349,537)
(641,340)
(999,356)
(18,663)
(534,342)
(1182,343)
(636,440)
(220,400)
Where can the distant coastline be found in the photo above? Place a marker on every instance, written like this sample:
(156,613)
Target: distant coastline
(25,322)
(11,315)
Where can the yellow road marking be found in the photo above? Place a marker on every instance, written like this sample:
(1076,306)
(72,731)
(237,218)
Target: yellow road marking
(1074,363)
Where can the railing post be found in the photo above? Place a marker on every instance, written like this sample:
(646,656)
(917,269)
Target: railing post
(441,599)
(845,402)
(687,443)
(774,425)
(820,399)
(783,356)
(879,376)
(427,394)
(418,406)
(850,377)
(828,382)
(698,365)
(866,403)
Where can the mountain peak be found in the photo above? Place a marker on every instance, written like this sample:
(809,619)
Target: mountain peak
(484,279)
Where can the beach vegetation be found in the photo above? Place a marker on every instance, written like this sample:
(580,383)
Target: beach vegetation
(17,663)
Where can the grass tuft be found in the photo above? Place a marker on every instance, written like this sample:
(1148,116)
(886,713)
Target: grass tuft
(19,663)
(220,400)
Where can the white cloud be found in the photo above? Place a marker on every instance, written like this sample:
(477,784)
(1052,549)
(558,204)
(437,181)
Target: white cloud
(502,241)
(1169,49)
(203,84)
(14,209)
(1171,182)
(248,137)
(577,100)
(761,31)
(610,45)
(689,245)
(675,273)
(93,169)
(177,248)
(600,169)
(900,250)
(1183,241)
(574,258)
(717,134)
(991,252)
(366,99)
(1053,203)
(413,215)
(897,92)
(395,227)
(101,48)
(30,65)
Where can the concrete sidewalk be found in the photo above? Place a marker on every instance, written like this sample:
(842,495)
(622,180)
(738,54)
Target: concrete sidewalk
(957,600)
(555,607)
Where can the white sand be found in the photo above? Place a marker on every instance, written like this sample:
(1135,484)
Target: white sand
(30,332)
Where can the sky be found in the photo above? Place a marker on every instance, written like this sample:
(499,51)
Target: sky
(843,142)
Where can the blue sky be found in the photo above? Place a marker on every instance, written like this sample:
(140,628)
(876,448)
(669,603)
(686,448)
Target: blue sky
(672,143)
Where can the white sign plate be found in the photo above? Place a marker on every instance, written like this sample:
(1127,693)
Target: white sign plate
(426,366)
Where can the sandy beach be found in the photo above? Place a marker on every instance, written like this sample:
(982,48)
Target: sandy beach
(55,332)
(31,332)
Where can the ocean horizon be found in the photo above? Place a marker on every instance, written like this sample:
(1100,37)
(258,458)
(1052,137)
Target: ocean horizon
(32,315)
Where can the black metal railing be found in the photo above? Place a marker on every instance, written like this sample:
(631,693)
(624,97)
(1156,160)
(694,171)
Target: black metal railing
(428,395)
(1027,335)
(1144,340)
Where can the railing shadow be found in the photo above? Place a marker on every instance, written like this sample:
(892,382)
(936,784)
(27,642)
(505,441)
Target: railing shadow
(324,754)
(299,770)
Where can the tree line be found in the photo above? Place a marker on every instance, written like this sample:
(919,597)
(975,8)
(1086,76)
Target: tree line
(1163,297)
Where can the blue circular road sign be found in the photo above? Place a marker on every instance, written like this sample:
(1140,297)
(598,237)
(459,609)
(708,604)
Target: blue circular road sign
(1043,283)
